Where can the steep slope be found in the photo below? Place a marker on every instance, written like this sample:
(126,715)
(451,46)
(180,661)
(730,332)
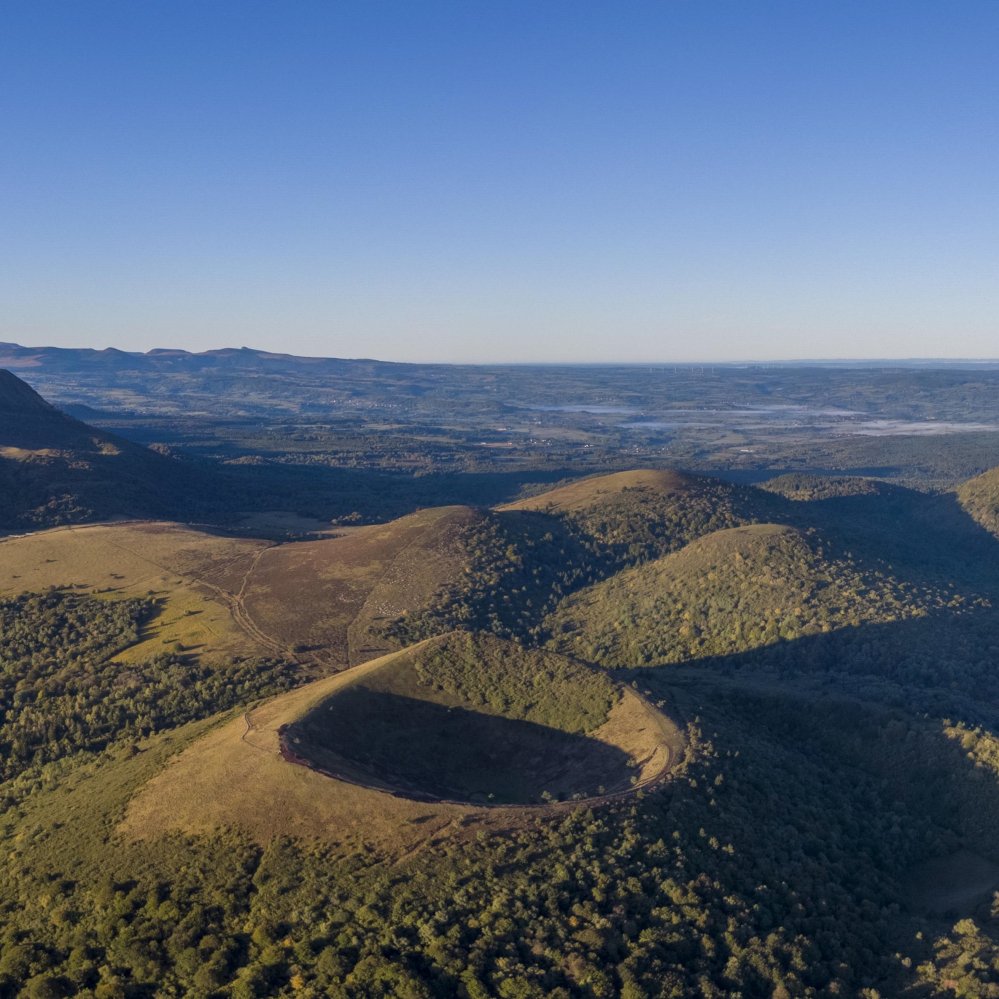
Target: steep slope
(523,558)
(779,859)
(28,422)
(375,751)
(815,836)
(516,565)
(931,537)
(726,593)
(476,718)
(54,469)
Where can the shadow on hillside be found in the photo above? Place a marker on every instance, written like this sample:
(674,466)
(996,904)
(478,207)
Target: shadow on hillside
(49,492)
(923,537)
(915,780)
(944,664)
(142,484)
(430,751)
(360,495)
(901,719)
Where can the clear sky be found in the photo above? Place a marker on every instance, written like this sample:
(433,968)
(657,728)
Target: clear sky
(503,180)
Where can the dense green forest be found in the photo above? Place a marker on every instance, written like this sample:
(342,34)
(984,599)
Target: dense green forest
(733,591)
(62,693)
(523,562)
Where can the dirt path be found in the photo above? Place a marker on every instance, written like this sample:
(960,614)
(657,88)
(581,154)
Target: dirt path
(247,730)
(236,604)
(218,781)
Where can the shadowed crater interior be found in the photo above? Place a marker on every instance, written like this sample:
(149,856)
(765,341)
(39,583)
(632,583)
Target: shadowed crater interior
(429,750)
(470,718)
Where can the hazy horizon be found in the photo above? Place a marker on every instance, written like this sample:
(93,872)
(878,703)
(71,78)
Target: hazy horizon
(652,361)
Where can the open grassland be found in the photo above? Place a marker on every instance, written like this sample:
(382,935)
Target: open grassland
(583,494)
(161,561)
(329,596)
(78,803)
(236,776)
(330,602)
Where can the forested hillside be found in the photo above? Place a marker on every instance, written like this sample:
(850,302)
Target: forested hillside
(727,593)
(980,497)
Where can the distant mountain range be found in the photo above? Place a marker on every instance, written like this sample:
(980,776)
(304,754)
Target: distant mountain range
(16,357)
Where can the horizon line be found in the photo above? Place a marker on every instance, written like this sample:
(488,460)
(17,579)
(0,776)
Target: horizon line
(656,362)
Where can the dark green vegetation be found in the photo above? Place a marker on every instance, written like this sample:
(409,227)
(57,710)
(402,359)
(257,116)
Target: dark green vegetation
(639,515)
(729,592)
(980,497)
(500,678)
(524,559)
(517,566)
(780,859)
(470,718)
(831,645)
(62,694)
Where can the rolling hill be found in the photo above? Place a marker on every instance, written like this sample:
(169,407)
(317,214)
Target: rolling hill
(727,592)
(646,513)
(166,563)
(473,804)
(331,597)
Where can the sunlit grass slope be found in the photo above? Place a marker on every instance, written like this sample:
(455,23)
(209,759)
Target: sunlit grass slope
(167,563)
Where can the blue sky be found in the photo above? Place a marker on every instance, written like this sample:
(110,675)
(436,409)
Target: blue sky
(502,181)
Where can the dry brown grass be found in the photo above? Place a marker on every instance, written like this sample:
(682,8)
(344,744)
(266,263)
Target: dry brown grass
(240,596)
(652,740)
(326,595)
(236,776)
(284,522)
